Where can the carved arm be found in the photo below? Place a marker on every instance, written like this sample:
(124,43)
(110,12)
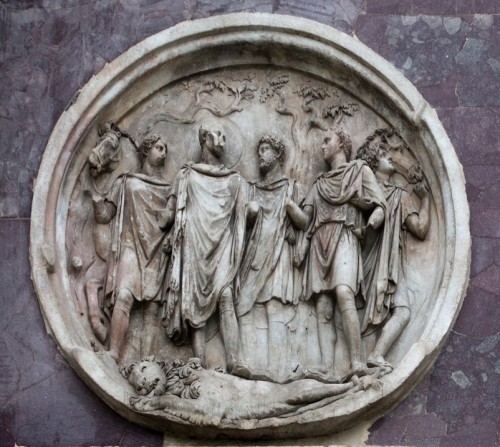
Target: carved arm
(376,218)
(298,217)
(418,224)
(303,246)
(166,217)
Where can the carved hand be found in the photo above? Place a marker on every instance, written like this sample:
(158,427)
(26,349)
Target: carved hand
(376,219)
(252,211)
(421,190)
(298,259)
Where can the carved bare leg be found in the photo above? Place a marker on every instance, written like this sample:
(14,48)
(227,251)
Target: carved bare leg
(277,337)
(351,326)
(229,328)
(120,321)
(326,330)
(149,328)
(390,332)
(95,315)
(198,341)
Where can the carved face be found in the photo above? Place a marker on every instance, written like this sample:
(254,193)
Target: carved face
(385,165)
(215,142)
(331,147)
(157,154)
(145,377)
(267,157)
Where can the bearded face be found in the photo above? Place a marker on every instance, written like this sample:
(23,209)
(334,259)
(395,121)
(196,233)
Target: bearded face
(268,158)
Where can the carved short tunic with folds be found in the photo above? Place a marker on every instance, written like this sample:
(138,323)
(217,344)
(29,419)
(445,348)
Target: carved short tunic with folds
(267,270)
(137,261)
(208,243)
(337,199)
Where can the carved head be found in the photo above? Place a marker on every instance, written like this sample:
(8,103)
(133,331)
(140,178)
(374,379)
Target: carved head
(375,151)
(336,141)
(270,151)
(212,139)
(147,376)
(154,150)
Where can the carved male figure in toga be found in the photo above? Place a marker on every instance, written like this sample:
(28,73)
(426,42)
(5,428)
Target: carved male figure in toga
(137,262)
(267,274)
(207,248)
(389,305)
(334,272)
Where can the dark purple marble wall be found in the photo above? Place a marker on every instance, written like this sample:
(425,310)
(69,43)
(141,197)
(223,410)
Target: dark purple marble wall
(450,49)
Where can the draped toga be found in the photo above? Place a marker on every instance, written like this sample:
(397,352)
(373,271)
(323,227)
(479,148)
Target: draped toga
(337,199)
(267,270)
(208,238)
(137,261)
(385,255)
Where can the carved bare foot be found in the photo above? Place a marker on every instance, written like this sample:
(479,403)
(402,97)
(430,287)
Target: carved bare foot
(240,369)
(357,369)
(378,360)
(321,375)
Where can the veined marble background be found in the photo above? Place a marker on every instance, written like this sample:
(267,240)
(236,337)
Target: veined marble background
(450,49)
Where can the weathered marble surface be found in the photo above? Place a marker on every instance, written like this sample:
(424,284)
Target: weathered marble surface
(49,49)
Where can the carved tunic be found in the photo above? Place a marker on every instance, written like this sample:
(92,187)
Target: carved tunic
(267,270)
(337,198)
(208,244)
(386,255)
(137,261)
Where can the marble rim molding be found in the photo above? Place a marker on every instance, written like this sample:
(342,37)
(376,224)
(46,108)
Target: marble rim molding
(51,204)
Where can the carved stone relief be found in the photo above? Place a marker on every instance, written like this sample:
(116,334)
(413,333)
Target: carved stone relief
(264,232)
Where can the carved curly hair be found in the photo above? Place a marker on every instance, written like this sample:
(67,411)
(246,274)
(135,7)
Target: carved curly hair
(374,146)
(277,145)
(146,145)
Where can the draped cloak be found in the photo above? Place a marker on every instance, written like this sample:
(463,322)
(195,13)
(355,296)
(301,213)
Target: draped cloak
(386,254)
(208,238)
(137,260)
(338,198)
(267,270)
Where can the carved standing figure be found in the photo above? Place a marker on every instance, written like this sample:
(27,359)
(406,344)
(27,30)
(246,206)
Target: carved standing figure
(208,238)
(137,261)
(334,271)
(385,256)
(267,274)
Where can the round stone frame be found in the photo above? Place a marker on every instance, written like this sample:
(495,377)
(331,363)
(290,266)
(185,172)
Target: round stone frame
(189,48)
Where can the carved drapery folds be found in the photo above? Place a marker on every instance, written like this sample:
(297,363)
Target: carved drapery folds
(252,242)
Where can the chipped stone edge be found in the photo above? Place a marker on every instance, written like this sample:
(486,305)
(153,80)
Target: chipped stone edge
(119,75)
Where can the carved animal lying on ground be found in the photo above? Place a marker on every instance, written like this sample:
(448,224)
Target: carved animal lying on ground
(207,397)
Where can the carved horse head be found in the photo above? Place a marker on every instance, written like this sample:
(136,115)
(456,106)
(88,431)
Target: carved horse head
(105,157)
